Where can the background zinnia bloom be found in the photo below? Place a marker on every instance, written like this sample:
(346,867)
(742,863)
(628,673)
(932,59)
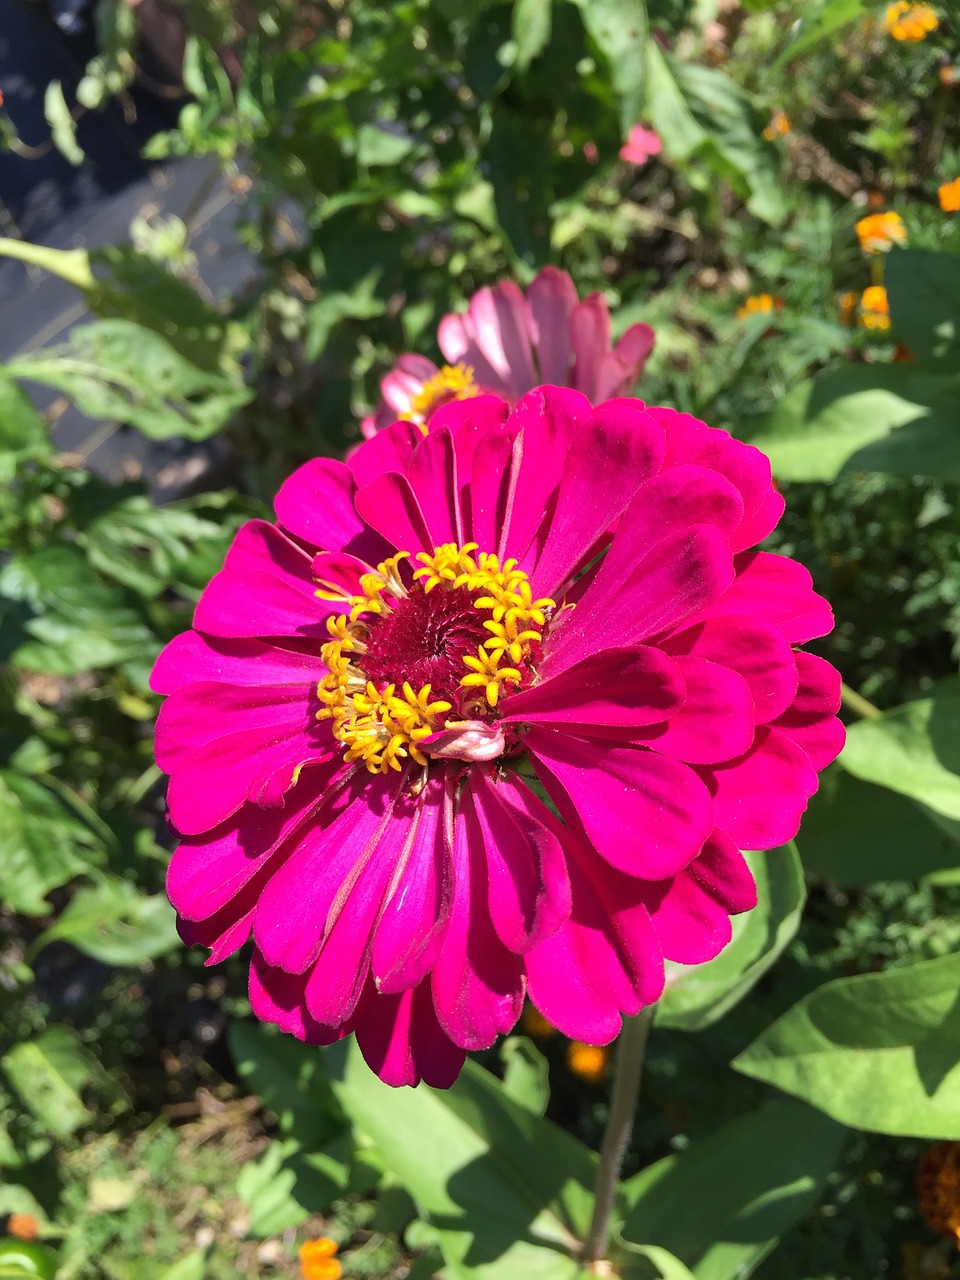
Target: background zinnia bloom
(909,22)
(874,310)
(879,232)
(558,593)
(509,342)
(949,196)
(641,145)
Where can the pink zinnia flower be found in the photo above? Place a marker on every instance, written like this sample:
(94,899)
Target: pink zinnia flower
(509,342)
(354,728)
(641,145)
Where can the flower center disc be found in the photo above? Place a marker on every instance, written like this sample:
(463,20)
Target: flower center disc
(423,640)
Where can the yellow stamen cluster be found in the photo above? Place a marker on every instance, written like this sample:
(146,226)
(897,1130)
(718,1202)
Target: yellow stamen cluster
(382,727)
(452,382)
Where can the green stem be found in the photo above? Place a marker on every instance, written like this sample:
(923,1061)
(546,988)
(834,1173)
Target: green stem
(858,704)
(623,1107)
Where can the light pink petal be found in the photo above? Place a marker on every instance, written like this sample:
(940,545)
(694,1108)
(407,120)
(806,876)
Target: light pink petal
(316,504)
(644,813)
(716,720)
(265,567)
(417,906)
(405,381)
(456,339)
(389,450)
(403,1042)
(320,872)
(775,589)
(529,889)
(433,478)
(673,582)
(501,332)
(477,983)
(811,721)
(692,919)
(390,505)
(759,799)
(632,351)
(621,687)
(609,458)
(551,298)
(755,649)
(605,961)
(191,657)
(590,336)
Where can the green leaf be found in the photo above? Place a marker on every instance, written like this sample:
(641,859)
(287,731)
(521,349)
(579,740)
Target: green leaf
(667,1266)
(290,1077)
(924,292)
(44,845)
(526,1075)
(697,995)
(285,1187)
(855,833)
(864,418)
(119,370)
(21,1259)
(913,749)
(116,923)
(49,1073)
(721,1204)
(22,430)
(62,124)
(191,1267)
(619,30)
(72,265)
(508,1191)
(880,1051)
(531,25)
(377,146)
(816,25)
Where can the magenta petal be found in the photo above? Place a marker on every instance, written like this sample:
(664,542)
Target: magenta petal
(716,720)
(756,650)
(551,298)
(339,575)
(644,813)
(223,934)
(433,478)
(190,658)
(489,490)
(477,982)
(811,721)
(316,504)
(776,589)
(389,450)
(403,1042)
(416,908)
(620,687)
(262,566)
(693,918)
(759,799)
(610,457)
(278,997)
(529,890)
(390,505)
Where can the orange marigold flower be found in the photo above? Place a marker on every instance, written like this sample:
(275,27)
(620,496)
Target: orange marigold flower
(874,308)
(938,1188)
(949,195)
(24,1226)
(759,304)
(588,1061)
(879,232)
(909,22)
(317,1261)
(535,1024)
(778,126)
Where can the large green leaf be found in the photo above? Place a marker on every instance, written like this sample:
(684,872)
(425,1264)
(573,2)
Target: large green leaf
(22,430)
(117,369)
(619,30)
(49,1074)
(531,26)
(721,1204)
(864,418)
(44,844)
(508,1191)
(116,923)
(924,292)
(880,1051)
(697,995)
(818,23)
(913,749)
(285,1187)
(290,1077)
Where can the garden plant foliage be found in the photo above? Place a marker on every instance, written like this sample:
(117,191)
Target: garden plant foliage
(387,162)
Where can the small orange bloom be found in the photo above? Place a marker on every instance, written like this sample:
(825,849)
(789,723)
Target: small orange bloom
(23,1226)
(535,1024)
(317,1261)
(759,304)
(588,1061)
(949,195)
(778,126)
(848,307)
(909,22)
(948,76)
(938,1188)
(879,232)
(874,308)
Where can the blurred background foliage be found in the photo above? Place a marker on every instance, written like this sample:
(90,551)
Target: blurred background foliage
(385,162)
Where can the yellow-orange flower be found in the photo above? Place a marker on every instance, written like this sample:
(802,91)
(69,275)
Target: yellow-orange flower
(535,1024)
(938,1188)
(317,1261)
(874,308)
(879,232)
(847,307)
(909,22)
(23,1226)
(588,1061)
(778,126)
(759,304)
(949,195)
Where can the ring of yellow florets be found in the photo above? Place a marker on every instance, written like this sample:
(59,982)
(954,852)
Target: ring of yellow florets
(452,382)
(382,727)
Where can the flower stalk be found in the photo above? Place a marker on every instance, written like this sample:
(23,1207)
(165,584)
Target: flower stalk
(624,1095)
